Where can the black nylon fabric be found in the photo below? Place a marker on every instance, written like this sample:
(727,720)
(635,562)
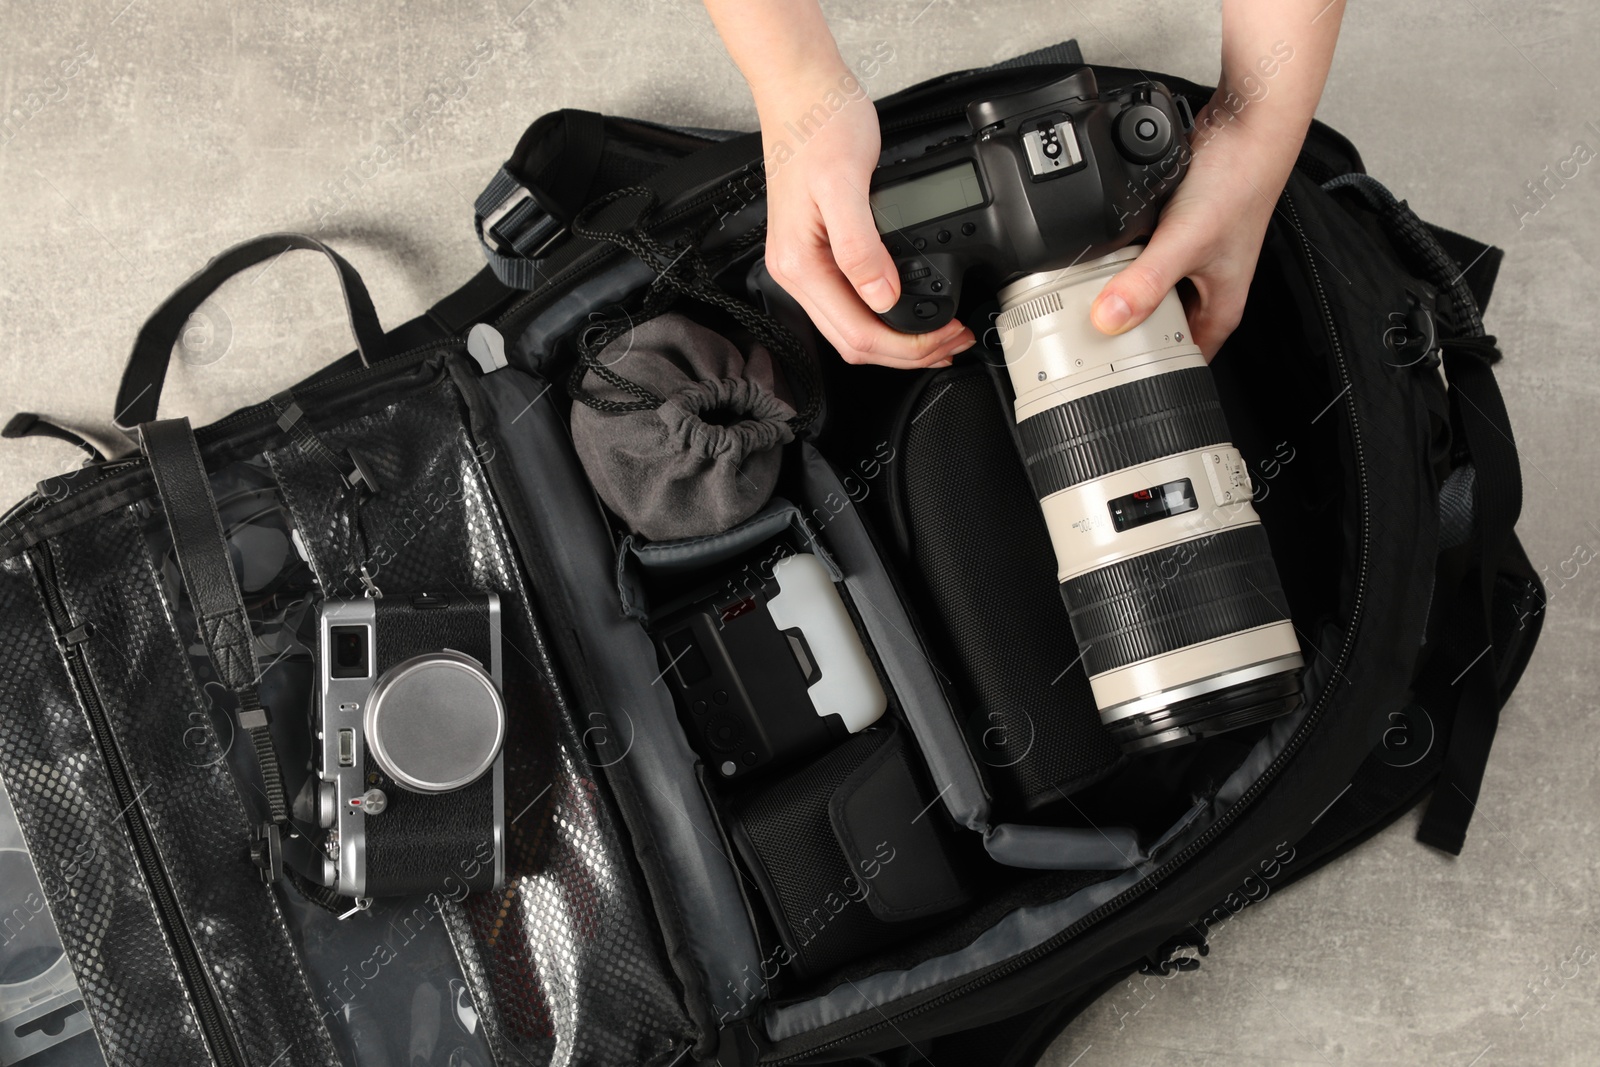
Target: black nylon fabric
(979,545)
(788,840)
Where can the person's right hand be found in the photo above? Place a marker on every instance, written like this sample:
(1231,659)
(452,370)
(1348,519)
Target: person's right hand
(822,245)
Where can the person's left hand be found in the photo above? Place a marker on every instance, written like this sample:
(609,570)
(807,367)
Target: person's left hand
(1210,232)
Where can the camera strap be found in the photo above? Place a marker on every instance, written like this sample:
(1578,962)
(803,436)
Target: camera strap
(203,559)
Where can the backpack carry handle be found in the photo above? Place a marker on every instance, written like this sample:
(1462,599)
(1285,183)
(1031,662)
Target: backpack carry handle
(140,393)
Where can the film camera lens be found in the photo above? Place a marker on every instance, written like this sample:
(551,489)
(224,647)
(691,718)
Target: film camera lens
(435,722)
(1166,571)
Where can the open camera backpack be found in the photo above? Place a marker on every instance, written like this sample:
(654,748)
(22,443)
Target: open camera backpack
(953,884)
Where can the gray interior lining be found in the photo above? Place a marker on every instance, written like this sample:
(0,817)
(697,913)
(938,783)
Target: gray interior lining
(693,553)
(1026,928)
(1064,848)
(622,664)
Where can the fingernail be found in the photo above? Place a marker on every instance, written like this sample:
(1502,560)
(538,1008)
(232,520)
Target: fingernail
(1111,313)
(944,363)
(962,346)
(878,295)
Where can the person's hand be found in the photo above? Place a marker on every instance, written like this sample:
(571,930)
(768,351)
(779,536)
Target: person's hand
(822,244)
(1210,232)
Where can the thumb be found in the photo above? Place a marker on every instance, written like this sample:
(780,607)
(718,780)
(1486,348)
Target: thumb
(857,248)
(1134,292)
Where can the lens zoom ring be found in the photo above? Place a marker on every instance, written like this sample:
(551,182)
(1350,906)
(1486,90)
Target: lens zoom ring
(1174,597)
(1121,427)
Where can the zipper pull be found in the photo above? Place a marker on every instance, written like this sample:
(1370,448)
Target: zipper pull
(1166,959)
(487,347)
(74,638)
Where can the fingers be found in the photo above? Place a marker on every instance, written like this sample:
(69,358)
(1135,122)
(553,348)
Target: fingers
(857,248)
(809,274)
(853,330)
(1133,293)
(1214,311)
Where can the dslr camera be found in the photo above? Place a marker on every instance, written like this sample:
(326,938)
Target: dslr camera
(1168,578)
(409,727)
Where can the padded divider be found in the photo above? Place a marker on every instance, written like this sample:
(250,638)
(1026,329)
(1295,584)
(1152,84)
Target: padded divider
(911,673)
(1064,848)
(622,666)
(638,556)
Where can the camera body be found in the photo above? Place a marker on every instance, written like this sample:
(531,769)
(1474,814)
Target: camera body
(1182,624)
(1047,178)
(409,725)
(763,675)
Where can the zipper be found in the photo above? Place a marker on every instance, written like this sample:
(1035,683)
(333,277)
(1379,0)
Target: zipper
(265,412)
(256,413)
(1148,883)
(208,1010)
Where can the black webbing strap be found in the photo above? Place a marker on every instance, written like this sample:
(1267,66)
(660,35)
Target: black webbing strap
(27,424)
(203,560)
(527,205)
(1497,500)
(139,396)
(523,214)
(1469,356)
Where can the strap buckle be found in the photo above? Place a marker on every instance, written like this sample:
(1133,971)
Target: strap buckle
(538,228)
(266,852)
(488,222)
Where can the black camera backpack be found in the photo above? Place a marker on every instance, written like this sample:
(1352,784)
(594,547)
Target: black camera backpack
(633,928)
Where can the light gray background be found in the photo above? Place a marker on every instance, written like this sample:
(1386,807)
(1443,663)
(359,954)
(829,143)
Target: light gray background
(158,132)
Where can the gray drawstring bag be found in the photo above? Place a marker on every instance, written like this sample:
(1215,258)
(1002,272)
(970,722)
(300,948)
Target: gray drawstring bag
(705,457)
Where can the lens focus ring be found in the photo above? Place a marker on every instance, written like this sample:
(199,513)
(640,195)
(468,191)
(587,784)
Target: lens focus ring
(1174,597)
(1121,427)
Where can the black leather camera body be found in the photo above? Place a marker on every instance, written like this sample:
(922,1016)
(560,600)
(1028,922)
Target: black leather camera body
(1047,178)
(410,723)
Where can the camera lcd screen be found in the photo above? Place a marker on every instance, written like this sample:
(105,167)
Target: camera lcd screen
(917,200)
(1148,505)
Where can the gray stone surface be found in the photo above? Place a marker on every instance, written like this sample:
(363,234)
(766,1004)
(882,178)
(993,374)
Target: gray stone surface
(142,137)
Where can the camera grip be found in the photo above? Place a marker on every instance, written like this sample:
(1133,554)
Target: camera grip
(930,289)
